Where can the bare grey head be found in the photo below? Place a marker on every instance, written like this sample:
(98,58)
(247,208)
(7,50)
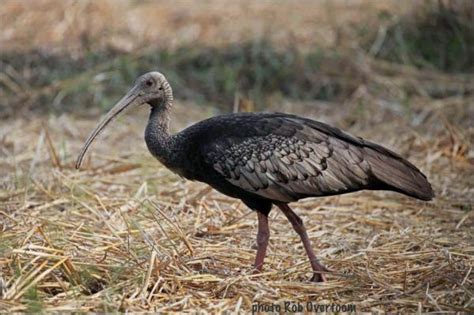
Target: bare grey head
(151,88)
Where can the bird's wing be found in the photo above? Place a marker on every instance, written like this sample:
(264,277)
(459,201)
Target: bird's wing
(285,158)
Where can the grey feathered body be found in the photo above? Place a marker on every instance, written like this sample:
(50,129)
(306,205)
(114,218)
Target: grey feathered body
(267,158)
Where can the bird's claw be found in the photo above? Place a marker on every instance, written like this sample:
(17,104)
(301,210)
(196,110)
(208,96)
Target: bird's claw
(318,277)
(319,273)
(256,271)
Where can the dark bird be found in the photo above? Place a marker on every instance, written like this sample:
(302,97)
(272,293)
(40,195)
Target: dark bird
(267,159)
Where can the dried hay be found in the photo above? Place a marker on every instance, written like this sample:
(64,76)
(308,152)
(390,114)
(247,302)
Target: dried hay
(124,234)
(127,25)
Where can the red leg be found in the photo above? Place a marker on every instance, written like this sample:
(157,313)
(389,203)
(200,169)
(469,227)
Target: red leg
(298,226)
(263,235)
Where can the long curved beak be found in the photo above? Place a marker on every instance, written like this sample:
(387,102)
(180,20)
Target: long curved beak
(131,98)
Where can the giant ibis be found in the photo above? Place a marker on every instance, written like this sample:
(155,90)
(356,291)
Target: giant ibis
(267,159)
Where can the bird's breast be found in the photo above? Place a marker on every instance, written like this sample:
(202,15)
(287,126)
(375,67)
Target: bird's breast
(174,167)
(179,171)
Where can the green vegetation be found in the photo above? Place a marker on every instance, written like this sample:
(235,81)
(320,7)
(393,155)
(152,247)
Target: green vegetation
(438,36)
(33,301)
(435,37)
(254,69)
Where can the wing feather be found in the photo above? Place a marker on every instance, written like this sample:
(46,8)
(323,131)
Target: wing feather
(285,158)
(289,162)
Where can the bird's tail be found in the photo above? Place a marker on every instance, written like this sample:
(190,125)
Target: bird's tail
(396,173)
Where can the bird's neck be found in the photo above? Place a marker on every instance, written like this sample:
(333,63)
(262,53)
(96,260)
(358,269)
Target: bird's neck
(157,136)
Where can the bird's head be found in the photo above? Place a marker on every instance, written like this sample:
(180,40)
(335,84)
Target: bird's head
(151,88)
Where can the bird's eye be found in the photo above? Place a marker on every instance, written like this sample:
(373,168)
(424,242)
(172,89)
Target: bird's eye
(149,83)
(161,88)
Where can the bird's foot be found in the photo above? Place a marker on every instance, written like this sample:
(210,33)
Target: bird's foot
(318,277)
(319,271)
(257,270)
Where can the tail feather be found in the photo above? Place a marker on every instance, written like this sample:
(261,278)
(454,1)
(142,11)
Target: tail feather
(395,173)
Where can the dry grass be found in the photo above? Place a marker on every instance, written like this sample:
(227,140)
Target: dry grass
(129,25)
(125,234)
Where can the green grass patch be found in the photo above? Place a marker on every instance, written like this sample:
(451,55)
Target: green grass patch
(255,70)
(33,301)
(437,36)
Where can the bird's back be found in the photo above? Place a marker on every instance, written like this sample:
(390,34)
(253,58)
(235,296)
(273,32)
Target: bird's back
(283,158)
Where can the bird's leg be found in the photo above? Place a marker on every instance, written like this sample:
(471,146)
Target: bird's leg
(298,226)
(263,234)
